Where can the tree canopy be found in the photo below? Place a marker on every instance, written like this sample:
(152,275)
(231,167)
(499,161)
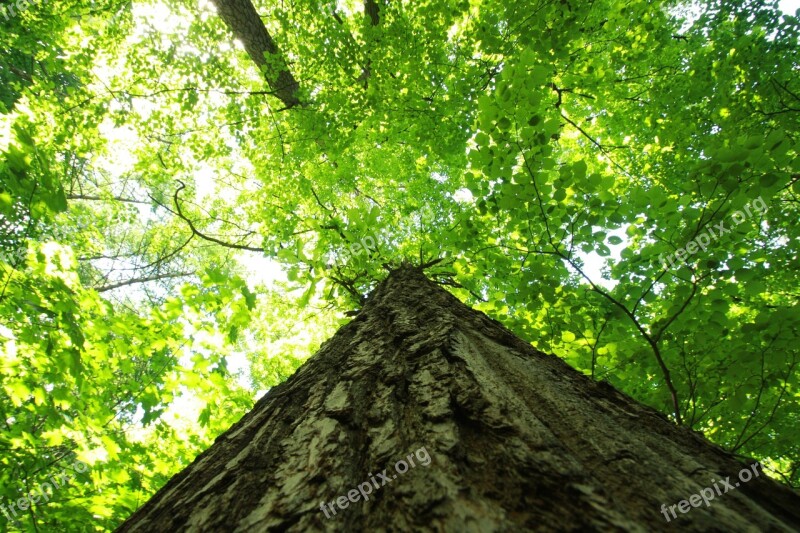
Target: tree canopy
(193,196)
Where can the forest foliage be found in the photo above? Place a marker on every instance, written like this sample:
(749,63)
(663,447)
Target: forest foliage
(177,236)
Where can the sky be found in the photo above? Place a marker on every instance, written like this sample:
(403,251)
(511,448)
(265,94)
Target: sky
(789,6)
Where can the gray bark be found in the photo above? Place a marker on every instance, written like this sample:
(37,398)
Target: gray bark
(518,441)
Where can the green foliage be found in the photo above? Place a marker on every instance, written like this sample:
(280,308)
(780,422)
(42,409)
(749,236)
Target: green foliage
(173,242)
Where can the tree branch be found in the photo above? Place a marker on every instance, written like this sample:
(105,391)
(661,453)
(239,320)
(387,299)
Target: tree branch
(133,281)
(99,199)
(195,231)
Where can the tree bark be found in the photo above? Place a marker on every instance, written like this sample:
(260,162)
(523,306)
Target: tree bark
(372,9)
(517,441)
(244,22)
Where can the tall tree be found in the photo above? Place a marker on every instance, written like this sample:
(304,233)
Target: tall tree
(496,436)
(616,181)
(242,18)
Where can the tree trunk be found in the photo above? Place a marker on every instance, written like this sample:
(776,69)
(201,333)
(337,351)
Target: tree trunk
(516,441)
(242,19)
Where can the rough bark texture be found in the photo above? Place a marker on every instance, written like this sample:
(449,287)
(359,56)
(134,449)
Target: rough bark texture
(242,19)
(518,441)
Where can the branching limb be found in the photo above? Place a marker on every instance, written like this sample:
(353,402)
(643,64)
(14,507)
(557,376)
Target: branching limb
(179,213)
(134,281)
